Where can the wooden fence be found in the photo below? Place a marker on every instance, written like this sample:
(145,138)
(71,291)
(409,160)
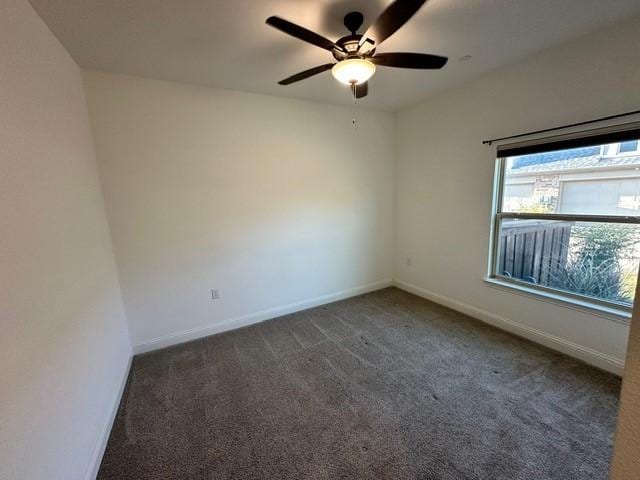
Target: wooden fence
(531,250)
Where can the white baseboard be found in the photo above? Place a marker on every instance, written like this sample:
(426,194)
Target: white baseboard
(98,452)
(588,355)
(257,317)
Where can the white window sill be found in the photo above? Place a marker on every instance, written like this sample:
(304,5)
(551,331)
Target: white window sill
(610,313)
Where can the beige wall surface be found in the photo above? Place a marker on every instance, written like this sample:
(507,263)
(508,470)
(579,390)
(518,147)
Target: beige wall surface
(270,201)
(64,343)
(626,452)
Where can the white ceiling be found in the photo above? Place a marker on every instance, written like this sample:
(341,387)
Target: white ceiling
(227,44)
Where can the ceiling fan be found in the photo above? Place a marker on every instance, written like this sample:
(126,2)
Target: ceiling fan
(355,55)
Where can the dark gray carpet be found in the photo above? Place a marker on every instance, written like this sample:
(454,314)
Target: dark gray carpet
(382,386)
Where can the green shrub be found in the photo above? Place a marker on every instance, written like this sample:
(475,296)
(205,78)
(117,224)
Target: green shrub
(595,262)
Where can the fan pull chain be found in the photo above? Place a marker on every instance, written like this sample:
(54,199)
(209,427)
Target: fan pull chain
(354,120)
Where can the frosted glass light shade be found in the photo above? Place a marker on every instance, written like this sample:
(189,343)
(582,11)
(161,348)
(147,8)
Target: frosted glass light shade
(353,71)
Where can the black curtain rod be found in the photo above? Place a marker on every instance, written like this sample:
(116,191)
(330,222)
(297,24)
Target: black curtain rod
(610,117)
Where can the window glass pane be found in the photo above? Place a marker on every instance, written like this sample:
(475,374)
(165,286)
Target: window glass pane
(603,197)
(517,196)
(628,146)
(598,260)
(597,180)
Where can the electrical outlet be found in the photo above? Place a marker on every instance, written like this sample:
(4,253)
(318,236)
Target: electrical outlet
(215,295)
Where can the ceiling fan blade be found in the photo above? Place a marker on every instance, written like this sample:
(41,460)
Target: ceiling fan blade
(301,33)
(392,19)
(362,90)
(306,74)
(422,61)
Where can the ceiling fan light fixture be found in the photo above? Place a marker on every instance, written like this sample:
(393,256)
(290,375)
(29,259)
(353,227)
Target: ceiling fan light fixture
(353,71)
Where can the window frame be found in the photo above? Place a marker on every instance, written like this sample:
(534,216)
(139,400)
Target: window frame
(565,298)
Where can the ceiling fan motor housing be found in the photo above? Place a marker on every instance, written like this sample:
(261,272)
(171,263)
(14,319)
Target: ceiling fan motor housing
(350,46)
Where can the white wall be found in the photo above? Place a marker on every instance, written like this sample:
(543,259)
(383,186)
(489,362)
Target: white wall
(274,202)
(445,178)
(64,345)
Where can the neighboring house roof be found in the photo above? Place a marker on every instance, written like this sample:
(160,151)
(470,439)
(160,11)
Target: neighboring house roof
(555,156)
(595,161)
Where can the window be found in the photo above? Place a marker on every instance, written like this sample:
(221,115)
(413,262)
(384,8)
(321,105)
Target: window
(603,197)
(517,195)
(628,147)
(567,219)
